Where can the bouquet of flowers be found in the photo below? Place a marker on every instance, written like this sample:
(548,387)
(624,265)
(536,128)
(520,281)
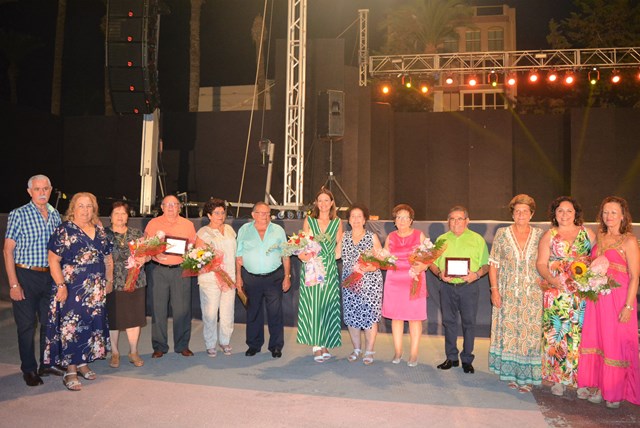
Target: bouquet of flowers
(303,242)
(207,259)
(142,247)
(380,259)
(586,278)
(426,253)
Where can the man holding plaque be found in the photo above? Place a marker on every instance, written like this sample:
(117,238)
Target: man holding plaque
(464,261)
(168,285)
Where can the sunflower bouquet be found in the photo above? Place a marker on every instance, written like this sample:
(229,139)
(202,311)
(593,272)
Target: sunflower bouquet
(587,278)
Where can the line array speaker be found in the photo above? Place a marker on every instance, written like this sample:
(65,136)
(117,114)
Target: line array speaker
(131,55)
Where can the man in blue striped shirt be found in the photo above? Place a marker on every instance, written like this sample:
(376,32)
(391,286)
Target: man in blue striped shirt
(25,257)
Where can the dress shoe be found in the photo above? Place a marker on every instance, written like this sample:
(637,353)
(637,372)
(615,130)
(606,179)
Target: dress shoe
(53,370)
(251,352)
(32,379)
(448,364)
(468,368)
(157,354)
(276,353)
(186,353)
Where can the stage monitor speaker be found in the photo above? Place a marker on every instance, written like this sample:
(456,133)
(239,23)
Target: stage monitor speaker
(330,111)
(132,37)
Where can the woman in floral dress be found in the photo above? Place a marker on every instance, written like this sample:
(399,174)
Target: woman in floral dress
(362,303)
(319,308)
(514,353)
(82,270)
(568,240)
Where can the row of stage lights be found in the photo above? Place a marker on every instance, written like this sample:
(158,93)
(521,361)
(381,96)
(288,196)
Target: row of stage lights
(568,78)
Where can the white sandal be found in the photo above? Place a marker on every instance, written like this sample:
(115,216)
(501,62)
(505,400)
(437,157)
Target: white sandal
(354,355)
(71,385)
(368,358)
(317,354)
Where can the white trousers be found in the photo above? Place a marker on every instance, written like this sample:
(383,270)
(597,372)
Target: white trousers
(212,302)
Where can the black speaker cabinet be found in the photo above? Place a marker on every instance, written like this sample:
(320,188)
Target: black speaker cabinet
(132,36)
(330,121)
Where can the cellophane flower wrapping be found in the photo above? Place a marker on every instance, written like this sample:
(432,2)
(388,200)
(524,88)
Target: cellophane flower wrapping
(306,242)
(142,247)
(427,252)
(380,259)
(585,277)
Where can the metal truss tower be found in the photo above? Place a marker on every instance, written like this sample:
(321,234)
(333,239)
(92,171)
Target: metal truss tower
(363,52)
(295,99)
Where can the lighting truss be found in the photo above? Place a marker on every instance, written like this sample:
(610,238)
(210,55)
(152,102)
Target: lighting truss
(363,52)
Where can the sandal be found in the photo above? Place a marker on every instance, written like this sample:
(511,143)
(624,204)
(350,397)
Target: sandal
(513,385)
(583,393)
(368,358)
(136,360)
(89,374)
(115,361)
(73,384)
(212,352)
(396,360)
(325,354)
(317,354)
(523,389)
(354,355)
(226,349)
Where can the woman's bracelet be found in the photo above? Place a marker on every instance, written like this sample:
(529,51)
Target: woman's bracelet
(628,307)
(493,288)
(60,285)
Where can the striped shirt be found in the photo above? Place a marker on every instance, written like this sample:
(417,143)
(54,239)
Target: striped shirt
(31,232)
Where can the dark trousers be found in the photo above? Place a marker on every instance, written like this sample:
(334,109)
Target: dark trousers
(269,289)
(27,313)
(170,287)
(461,300)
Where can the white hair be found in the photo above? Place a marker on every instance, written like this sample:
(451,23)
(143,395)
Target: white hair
(38,177)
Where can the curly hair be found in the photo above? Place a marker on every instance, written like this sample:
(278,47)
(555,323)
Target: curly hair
(578,220)
(212,204)
(72,206)
(625,224)
(315,212)
(405,207)
(361,207)
(522,199)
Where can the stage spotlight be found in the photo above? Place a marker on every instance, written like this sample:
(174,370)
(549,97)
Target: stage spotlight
(534,76)
(492,78)
(448,80)
(406,81)
(594,76)
(569,78)
(385,87)
(512,79)
(473,80)
(424,87)
(552,77)
(615,77)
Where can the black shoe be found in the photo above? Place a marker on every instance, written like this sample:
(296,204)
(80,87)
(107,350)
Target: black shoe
(448,364)
(468,368)
(53,370)
(32,379)
(276,353)
(251,352)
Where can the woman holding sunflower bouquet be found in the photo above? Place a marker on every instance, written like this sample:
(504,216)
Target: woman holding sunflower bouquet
(561,248)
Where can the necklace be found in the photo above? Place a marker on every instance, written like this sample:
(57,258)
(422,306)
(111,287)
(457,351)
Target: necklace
(120,238)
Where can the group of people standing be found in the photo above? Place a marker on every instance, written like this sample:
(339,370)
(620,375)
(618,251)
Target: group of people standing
(70,276)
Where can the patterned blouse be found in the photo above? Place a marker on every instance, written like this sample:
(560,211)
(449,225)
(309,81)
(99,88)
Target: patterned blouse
(121,254)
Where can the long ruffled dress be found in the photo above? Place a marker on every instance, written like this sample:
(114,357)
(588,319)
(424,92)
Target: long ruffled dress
(563,315)
(319,321)
(609,349)
(516,327)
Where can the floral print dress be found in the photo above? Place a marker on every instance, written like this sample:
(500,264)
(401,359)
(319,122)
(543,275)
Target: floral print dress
(77,330)
(563,314)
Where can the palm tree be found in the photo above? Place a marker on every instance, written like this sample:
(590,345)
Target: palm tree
(16,47)
(194,55)
(423,25)
(56,84)
(258,37)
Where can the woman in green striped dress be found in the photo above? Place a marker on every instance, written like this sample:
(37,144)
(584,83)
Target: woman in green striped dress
(319,322)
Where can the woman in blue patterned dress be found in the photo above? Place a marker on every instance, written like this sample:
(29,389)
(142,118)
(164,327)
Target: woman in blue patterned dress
(319,307)
(362,303)
(82,270)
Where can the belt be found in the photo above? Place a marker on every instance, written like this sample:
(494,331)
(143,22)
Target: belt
(36,268)
(262,275)
(167,266)
(459,284)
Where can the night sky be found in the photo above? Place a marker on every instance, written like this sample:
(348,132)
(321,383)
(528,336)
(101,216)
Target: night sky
(228,53)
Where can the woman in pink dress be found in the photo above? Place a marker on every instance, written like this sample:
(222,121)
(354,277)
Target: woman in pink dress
(396,302)
(609,364)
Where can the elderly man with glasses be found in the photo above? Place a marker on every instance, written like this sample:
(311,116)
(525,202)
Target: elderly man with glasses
(264,274)
(463,263)
(168,285)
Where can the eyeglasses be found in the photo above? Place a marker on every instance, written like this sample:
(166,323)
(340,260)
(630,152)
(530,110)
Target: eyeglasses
(262,212)
(521,212)
(218,213)
(171,204)
(403,218)
(82,207)
(457,219)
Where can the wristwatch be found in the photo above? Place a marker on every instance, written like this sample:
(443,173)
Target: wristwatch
(14,285)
